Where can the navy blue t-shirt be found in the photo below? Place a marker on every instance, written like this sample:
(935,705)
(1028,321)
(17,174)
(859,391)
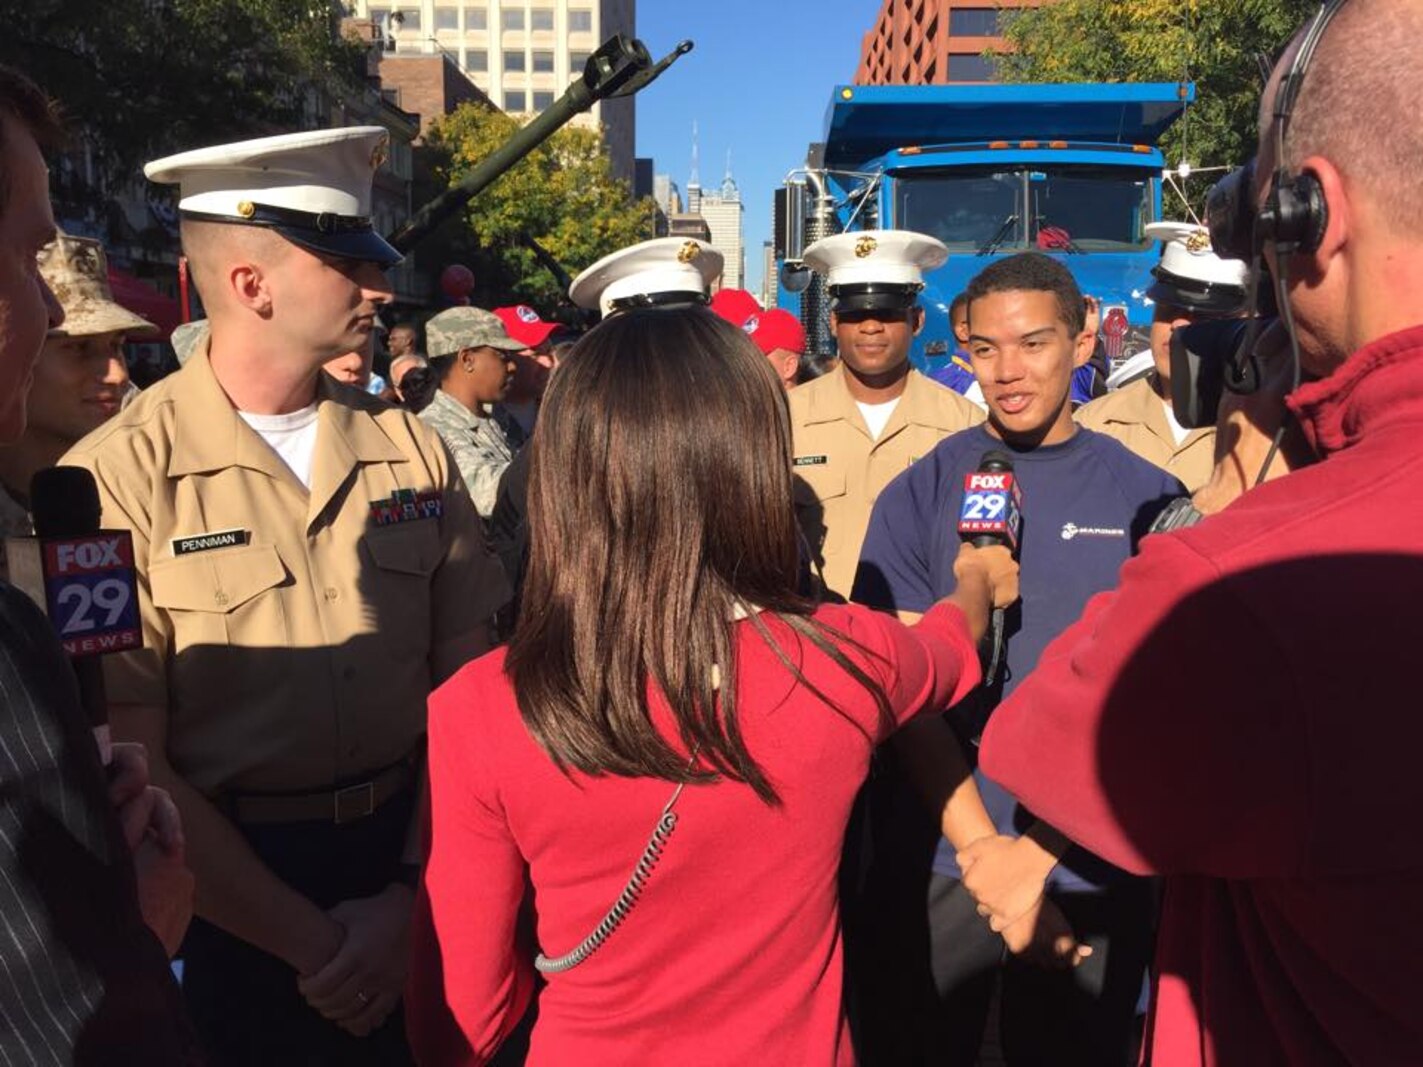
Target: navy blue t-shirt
(1086,504)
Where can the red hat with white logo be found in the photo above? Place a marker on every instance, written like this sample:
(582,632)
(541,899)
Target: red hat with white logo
(735,305)
(775,329)
(523,324)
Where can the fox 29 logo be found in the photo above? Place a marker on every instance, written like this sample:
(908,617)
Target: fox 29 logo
(90,592)
(991,505)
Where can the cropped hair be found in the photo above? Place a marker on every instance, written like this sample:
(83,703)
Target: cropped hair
(660,509)
(1032,272)
(24,103)
(1356,105)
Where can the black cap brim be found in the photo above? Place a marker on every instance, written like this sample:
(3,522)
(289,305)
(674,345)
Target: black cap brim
(874,297)
(1196,295)
(365,245)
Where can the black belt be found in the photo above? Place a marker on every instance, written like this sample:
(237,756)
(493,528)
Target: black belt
(337,805)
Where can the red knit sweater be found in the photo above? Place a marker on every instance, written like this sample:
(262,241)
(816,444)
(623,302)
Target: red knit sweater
(1242,717)
(732,954)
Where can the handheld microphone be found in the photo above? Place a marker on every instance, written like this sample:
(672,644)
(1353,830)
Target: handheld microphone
(83,578)
(992,514)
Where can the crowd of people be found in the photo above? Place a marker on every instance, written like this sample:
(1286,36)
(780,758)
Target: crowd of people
(631,695)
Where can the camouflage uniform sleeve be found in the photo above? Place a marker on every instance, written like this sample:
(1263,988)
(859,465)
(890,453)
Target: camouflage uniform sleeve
(480,455)
(490,458)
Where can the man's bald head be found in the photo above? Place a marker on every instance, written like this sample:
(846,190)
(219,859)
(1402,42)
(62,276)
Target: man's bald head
(213,248)
(1356,106)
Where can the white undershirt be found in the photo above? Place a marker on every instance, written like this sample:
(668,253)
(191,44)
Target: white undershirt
(877,416)
(1177,430)
(292,436)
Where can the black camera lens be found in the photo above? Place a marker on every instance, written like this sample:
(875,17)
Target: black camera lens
(1230,214)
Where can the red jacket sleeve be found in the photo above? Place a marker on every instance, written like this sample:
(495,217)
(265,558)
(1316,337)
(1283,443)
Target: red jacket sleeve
(1159,731)
(470,982)
(931,665)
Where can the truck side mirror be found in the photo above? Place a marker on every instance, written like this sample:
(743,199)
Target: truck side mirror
(796,277)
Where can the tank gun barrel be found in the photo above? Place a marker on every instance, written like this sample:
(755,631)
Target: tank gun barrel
(620,67)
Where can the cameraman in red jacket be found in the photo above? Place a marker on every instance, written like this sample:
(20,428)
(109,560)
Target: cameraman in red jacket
(1241,715)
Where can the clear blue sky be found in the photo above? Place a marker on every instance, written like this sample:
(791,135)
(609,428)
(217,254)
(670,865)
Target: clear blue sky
(758,83)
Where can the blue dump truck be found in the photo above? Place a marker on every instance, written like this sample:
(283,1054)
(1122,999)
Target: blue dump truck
(990,170)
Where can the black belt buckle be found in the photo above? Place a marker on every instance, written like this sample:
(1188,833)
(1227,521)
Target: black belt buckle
(355,802)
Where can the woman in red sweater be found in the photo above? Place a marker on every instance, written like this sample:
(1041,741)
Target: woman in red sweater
(670,713)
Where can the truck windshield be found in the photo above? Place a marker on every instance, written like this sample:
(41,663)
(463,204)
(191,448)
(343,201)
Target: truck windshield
(1062,208)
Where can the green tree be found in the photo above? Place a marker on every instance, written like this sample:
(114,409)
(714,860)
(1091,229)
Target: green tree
(1215,43)
(562,195)
(138,78)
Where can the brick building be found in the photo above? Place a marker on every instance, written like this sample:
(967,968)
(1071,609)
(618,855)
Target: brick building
(430,85)
(933,42)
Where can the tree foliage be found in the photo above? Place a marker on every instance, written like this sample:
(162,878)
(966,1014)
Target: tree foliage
(562,195)
(142,77)
(1214,43)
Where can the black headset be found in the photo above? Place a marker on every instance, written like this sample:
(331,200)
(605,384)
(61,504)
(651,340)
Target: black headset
(1293,218)
(1295,213)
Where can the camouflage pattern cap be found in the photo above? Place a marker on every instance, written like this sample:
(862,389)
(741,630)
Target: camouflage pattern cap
(466,327)
(77,272)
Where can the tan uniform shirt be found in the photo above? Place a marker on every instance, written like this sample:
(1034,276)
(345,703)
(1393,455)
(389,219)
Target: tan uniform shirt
(292,637)
(840,470)
(1136,417)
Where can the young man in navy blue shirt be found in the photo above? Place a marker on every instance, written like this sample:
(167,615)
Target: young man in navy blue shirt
(1073,959)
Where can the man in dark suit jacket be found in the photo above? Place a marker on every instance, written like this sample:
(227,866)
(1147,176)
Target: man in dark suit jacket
(90,869)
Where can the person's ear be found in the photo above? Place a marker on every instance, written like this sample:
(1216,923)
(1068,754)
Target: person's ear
(1083,348)
(1334,211)
(916,320)
(250,285)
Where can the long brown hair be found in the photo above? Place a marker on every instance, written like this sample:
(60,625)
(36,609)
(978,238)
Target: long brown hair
(659,503)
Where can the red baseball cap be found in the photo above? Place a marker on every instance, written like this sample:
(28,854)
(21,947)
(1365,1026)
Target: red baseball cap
(775,329)
(523,324)
(735,306)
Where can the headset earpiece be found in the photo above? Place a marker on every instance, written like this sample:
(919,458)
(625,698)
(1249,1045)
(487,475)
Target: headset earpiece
(1295,214)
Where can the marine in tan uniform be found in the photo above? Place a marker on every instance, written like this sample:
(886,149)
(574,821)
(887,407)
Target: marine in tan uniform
(867,420)
(1192,284)
(310,568)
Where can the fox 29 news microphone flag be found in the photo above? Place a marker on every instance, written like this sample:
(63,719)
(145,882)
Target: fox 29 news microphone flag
(83,578)
(992,514)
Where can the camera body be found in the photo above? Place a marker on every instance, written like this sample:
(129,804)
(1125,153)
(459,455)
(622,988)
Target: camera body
(1208,358)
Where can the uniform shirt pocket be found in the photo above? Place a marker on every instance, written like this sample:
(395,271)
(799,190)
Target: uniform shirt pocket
(406,547)
(397,591)
(216,598)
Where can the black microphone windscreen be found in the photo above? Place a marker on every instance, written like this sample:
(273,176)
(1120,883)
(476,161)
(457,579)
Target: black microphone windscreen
(995,462)
(64,502)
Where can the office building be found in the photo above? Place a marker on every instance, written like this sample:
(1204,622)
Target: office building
(725,215)
(522,54)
